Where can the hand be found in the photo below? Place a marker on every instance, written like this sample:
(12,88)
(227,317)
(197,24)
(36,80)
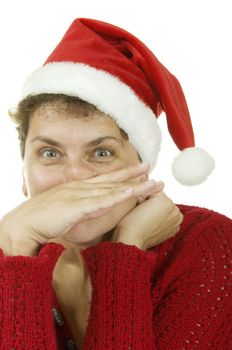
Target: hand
(150,223)
(52,213)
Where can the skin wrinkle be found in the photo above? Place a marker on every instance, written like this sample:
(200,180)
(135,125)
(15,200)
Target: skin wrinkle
(69,106)
(95,142)
(76,161)
(68,149)
(77,137)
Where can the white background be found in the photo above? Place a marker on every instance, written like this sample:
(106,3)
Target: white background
(192,38)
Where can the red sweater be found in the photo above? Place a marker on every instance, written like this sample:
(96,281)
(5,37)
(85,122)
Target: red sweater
(176,296)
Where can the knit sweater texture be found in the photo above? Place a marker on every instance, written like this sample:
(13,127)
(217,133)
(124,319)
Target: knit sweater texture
(176,296)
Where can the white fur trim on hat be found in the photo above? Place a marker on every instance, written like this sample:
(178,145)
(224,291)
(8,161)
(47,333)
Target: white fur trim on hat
(109,94)
(192,166)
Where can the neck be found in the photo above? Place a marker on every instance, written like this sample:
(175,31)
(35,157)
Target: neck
(72,285)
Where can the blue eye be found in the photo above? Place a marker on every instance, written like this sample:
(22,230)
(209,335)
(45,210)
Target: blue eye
(103,153)
(50,154)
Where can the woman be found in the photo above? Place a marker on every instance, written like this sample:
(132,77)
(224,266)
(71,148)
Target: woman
(96,257)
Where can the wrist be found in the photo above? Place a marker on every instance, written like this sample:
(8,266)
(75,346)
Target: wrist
(22,248)
(13,244)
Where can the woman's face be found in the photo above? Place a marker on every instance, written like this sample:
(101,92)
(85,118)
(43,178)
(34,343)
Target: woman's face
(63,147)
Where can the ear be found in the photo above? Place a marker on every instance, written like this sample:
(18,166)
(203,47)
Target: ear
(24,187)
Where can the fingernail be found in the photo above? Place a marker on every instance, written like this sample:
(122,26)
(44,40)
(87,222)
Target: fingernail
(159,183)
(143,166)
(150,183)
(128,190)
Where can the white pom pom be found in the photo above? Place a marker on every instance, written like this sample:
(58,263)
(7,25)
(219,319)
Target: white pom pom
(192,166)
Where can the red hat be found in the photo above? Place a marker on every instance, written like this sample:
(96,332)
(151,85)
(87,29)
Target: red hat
(113,70)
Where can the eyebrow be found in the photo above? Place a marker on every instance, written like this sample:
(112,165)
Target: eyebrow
(95,142)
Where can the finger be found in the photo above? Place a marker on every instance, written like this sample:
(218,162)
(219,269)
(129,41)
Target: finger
(94,190)
(161,195)
(78,194)
(140,189)
(143,189)
(76,186)
(141,199)
(98,204)
(91,205)
(121,175)
(96,214)
(158,187)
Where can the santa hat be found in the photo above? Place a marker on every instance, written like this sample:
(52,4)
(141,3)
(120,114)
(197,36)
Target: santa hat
(113,70)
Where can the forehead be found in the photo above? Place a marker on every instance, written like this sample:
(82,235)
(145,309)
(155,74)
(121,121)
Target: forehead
(48,116)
